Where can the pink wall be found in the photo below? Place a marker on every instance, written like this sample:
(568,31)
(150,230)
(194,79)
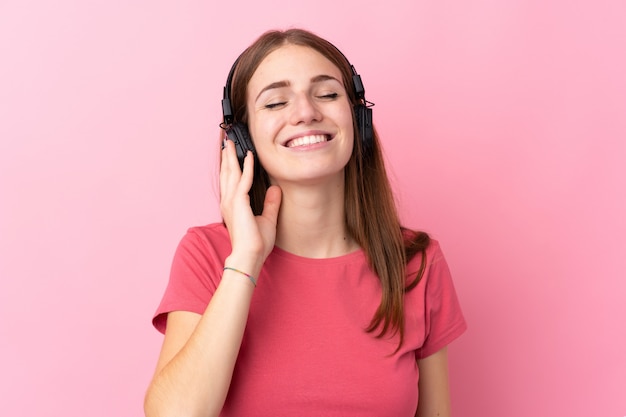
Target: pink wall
(505,129)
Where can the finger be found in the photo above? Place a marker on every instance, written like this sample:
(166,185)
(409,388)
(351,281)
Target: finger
(223,165)
(229,168)
(248,172)
(271,205)
(228,153)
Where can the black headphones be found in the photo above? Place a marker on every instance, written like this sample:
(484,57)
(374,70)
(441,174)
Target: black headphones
(239,134)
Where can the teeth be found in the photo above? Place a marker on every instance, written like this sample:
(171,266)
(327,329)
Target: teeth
(306,140)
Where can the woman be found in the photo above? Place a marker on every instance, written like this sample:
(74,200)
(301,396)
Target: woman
(309,298)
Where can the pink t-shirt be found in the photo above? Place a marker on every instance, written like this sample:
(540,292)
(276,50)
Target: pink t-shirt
(305,350)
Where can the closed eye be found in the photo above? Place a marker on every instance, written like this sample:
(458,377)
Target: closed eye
(271,106)
(330,96)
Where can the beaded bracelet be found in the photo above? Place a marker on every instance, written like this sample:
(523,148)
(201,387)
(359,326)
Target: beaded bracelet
(250,277)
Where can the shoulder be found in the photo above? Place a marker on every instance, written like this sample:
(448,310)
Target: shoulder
(210,235)
(429,272)
(434,253)
(428,268)
(212,231)
(203,244)
(421,249)
(195,271)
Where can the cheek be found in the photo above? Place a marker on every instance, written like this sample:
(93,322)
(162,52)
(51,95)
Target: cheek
(262,129)
(348,122)
(262,132)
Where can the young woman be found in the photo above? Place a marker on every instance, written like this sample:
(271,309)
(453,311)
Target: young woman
(310,298)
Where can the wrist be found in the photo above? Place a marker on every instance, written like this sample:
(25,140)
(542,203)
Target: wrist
(249,265)
(250,277)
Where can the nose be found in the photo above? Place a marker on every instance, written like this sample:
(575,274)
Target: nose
(304,110)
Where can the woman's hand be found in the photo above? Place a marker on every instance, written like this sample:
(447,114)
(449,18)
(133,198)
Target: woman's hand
(252,237)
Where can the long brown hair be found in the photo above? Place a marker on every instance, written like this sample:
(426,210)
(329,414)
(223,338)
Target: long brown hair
(370,210)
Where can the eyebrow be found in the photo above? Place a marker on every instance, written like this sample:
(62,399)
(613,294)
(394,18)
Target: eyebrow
(282,84)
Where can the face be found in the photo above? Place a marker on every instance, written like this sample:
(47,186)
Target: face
(299,116)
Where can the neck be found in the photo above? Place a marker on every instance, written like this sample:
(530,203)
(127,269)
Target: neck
(311,221)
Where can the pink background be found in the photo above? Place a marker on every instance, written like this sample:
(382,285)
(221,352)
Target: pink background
(504,127)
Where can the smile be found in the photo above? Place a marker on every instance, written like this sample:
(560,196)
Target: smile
(306,140)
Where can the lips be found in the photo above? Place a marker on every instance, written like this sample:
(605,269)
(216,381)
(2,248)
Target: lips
(307,140)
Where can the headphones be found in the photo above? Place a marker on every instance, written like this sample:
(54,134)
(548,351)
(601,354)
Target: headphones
(240,135)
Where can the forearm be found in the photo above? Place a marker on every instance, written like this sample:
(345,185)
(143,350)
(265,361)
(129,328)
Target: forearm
(434,393)
(196,380)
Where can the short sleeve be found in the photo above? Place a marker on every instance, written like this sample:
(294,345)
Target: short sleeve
(444,320)
(195,272)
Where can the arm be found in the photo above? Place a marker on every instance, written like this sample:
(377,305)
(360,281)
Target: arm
(198,355)
(434,393)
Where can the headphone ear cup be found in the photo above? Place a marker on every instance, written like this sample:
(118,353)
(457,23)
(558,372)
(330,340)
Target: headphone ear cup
(239,134)
(366,127)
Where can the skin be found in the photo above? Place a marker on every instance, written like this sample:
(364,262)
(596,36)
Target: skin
(295,93)
(434,392)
